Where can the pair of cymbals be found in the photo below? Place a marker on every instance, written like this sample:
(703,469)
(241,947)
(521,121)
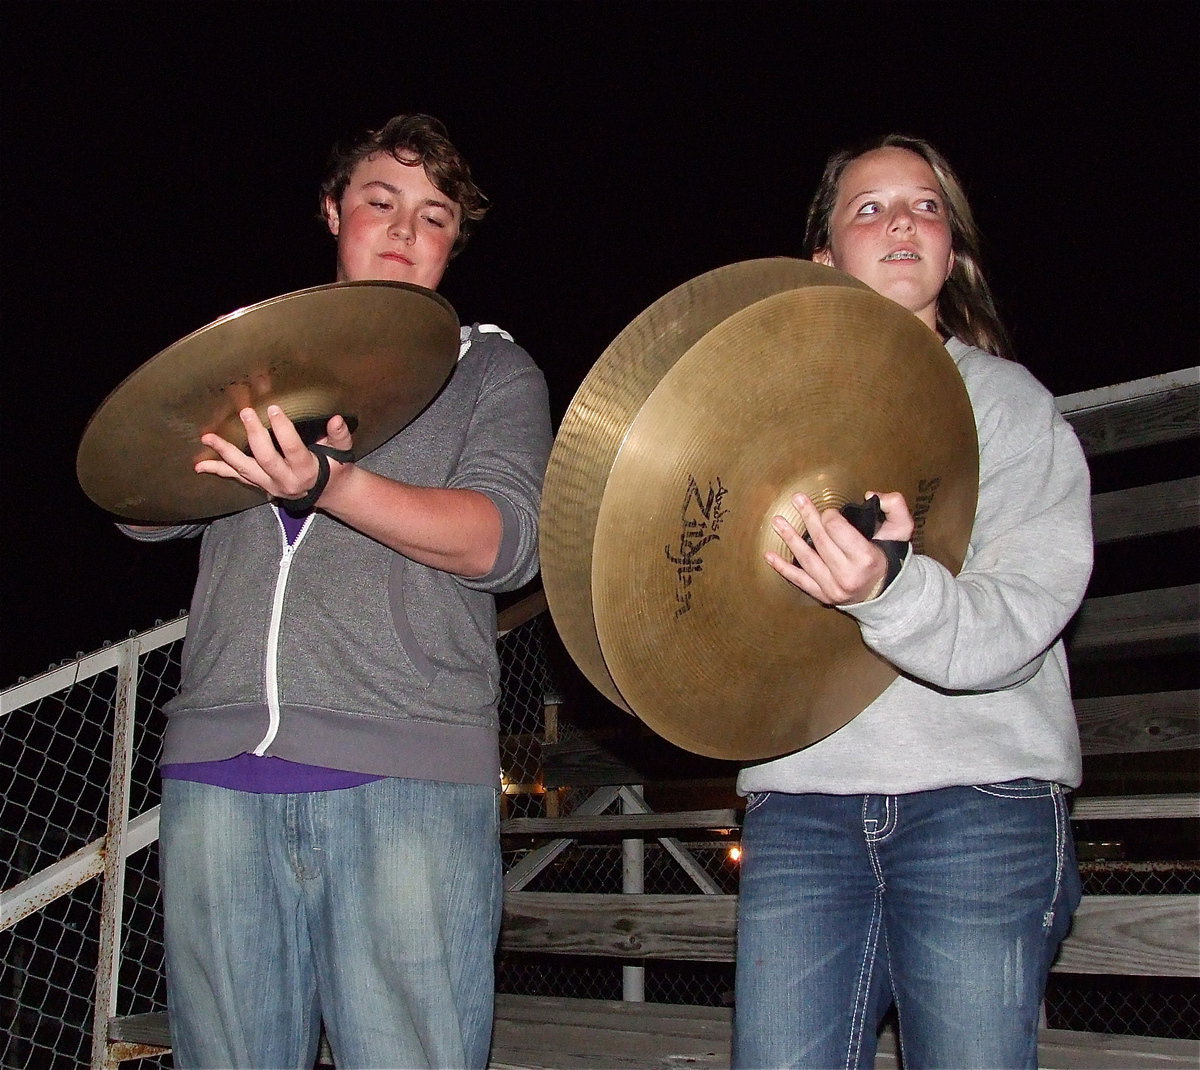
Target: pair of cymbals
(375,352)
(693,430)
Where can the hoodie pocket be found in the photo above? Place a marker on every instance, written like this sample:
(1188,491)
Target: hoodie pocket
(406,634)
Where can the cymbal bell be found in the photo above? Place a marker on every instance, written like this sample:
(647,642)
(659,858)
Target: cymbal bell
(599,416)
(375,352)
(827,390)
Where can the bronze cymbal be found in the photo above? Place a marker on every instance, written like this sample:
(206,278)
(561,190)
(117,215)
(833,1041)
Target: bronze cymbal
(599,416)
(373,352)
(826,390)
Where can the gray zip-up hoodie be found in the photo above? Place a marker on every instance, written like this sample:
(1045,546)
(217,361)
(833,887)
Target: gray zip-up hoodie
(984,695)
(337,651)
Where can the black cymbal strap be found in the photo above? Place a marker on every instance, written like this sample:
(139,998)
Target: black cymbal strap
(300,506)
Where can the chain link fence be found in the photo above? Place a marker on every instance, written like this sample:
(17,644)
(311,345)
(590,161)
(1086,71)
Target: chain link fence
(1139,1006)
(1145,1006)
(598,868)
(56,753)
(56,749)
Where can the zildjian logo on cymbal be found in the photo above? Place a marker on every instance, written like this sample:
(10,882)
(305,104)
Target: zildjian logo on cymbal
(926,491)
(699,521)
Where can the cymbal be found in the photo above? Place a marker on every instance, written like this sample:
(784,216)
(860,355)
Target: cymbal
(375,352)
(826,390)
(598,418)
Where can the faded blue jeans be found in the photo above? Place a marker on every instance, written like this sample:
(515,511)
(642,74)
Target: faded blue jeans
(949,903)
(375,908)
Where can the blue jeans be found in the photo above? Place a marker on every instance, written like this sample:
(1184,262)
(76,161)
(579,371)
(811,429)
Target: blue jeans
(375,908)
(949,903)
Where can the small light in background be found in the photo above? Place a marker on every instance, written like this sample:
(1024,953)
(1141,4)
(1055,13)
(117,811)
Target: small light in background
(735,853)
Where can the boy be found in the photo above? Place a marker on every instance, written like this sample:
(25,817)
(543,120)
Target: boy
(329,820)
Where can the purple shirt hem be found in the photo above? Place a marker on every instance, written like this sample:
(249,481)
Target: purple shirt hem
(266,775)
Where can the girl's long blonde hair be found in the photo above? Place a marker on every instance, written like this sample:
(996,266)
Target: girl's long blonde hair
(965,306)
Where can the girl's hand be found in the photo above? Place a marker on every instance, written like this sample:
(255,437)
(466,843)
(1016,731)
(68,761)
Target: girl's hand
(841,567)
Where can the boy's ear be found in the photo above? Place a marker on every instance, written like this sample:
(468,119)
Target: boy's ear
(332,219)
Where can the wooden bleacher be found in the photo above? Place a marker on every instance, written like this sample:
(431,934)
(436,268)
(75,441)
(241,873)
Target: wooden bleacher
(1133,660)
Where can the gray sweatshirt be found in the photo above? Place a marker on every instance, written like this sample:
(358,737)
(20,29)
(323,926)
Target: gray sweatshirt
(337,651)
(983,694)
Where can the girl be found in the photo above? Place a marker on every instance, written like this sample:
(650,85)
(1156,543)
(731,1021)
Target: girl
(922,854)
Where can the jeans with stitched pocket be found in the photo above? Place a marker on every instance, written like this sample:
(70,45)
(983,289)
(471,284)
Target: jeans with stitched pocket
(950,903)
(374,908)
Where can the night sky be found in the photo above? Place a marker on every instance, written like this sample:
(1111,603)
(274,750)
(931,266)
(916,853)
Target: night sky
(160,164)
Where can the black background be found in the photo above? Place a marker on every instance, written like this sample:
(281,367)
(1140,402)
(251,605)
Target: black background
(160,164)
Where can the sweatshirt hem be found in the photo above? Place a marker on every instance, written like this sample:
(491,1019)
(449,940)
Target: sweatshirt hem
(408,748)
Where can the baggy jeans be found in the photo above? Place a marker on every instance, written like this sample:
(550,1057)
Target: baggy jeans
(375,908)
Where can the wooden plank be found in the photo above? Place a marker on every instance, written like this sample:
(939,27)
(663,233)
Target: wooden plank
(1150,510)
(1134,935)
(151,1030)
(637,757)
(1083,809)
(1162,409)
(1136,807)
(1118,393)
(1068,1049)
(621,824)
(552,1033)
(1134,724)
(548,1033)
(657,1029)
(582,762)
(1150,935)
(1142,623)
(557,1033)
(512,617)
(676,1018)
(694,928)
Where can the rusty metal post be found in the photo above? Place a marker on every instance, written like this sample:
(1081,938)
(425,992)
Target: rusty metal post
(633,882)
(108,968)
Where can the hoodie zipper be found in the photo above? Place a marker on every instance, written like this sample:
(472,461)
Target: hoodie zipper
(271,667)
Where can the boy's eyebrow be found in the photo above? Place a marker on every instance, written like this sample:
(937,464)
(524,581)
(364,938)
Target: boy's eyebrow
(395,191)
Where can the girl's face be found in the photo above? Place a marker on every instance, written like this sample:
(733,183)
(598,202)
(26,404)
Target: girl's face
(392,223)
(889,229)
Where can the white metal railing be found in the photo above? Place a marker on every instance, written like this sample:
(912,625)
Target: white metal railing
(79,745)
(54,731)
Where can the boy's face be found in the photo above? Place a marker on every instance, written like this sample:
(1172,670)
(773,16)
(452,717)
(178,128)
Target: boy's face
(392,224)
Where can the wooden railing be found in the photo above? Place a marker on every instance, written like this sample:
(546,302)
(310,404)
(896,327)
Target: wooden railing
(1139,935)
(1127,934)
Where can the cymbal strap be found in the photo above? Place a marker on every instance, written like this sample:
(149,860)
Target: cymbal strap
(323,454)
(865,518)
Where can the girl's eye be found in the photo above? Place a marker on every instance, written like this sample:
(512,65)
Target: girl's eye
(379,204)
(435,221)
(868,208)
(929,205)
